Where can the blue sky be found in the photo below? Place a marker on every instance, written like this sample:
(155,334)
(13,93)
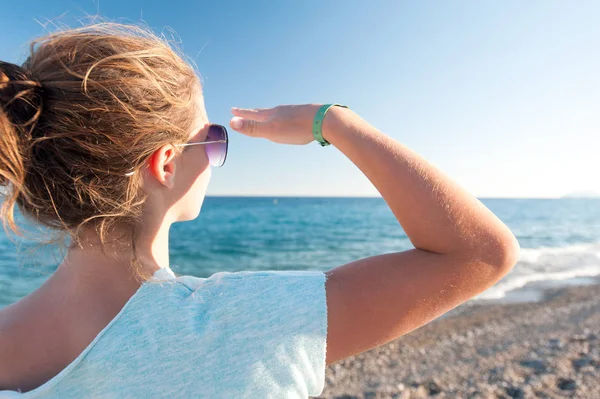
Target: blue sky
(503,96)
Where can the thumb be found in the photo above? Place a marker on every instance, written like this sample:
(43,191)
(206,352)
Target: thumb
(249,127)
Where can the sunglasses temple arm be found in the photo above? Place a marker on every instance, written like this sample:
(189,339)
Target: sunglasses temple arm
(204,142)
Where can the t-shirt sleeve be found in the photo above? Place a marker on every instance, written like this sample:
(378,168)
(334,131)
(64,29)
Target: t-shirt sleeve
(277,320)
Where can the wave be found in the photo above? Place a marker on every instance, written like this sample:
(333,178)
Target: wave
(533,255)
(548,264)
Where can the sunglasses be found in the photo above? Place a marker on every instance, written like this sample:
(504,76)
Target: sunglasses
(217,143)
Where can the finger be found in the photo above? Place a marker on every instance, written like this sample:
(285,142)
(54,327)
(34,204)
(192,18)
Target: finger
(257,114)
(249,127)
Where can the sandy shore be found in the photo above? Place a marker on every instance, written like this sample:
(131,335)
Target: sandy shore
(548,349)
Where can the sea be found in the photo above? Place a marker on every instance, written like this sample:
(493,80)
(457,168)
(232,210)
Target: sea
(559,238)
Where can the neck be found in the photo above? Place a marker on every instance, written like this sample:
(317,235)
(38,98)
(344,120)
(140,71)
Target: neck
(87,261)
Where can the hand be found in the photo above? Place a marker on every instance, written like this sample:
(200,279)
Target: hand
(284,124)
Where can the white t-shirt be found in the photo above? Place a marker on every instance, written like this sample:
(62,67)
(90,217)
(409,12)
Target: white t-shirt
(231,335)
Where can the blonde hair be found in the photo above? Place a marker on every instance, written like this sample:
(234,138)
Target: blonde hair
(88,107)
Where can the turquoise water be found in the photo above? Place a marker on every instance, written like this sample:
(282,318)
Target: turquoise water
(560,239)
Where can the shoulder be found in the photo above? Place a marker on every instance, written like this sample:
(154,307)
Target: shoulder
(252,279)
(254,300)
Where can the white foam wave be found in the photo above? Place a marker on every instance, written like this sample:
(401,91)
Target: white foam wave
(532,255)
(548,264)
(502,288)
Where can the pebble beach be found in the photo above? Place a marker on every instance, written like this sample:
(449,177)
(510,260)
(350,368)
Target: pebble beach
(545,349)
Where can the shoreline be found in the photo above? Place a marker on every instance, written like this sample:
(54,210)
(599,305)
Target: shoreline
(548,349)
(534,292)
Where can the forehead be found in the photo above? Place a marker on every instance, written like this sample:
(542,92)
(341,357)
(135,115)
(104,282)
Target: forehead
(201,118)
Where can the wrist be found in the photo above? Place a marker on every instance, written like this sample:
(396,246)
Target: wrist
(334,122)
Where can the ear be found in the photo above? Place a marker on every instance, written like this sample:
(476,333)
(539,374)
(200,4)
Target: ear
(162,165)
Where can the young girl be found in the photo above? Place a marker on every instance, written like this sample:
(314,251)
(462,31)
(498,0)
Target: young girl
(104,137)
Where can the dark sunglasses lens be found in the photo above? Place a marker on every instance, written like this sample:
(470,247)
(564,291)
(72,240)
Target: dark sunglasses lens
(217,152)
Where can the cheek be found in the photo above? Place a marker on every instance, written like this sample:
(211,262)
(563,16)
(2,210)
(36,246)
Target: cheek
(200,162)
(191,203)
(195,165)
(195,176)
(203,179)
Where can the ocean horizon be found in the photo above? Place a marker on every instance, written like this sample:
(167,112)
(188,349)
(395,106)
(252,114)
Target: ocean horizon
(559,238)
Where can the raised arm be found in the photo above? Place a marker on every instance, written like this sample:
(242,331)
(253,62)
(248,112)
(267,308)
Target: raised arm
(461,248)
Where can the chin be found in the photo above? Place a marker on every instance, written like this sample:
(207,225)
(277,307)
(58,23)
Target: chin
(190,208)
(187,216)
(191,212)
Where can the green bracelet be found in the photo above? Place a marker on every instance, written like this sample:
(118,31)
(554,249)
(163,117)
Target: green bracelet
(318,123)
